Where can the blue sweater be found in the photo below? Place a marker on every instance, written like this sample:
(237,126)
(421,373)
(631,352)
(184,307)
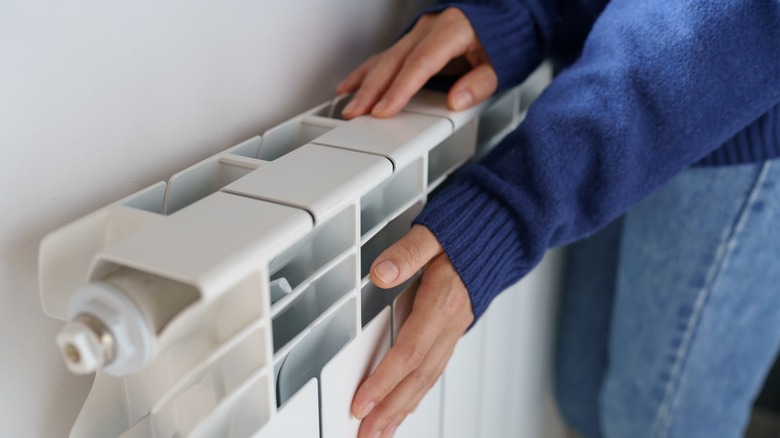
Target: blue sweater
(654,86)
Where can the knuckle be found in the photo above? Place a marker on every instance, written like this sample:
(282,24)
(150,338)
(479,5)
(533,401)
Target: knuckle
(389,56)
(384,62)
(375,388)
(422,377)
(424,18)
(411,355)
(486,75)
(373,422)
(451,14)
(419,62)
(408,253)
(488,81)
(413,408)
(393,419)
(455,19)
(383,388)
(370,62)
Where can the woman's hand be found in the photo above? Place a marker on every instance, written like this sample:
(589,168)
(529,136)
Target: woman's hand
(440,315)
(385,82)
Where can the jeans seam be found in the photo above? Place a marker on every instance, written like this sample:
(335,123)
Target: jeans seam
(728,243)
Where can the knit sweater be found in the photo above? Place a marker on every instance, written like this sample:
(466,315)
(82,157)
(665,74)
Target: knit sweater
(654,87)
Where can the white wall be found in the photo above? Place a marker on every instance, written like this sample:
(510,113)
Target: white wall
(99,99)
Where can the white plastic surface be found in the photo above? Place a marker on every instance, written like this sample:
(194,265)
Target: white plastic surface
(66,255)
(275,238)
(308,256)
(451,154)
(315,348)
(392,197)
(344,373)
(212,242)
(100,100)
(462,386)
(425,421)
(279,289)
(241,413)
(401,139)
(203,179)
(294,133)
(527,313)
(501,117)
(434,103)
(298,418)
(313,300)
(333,178)
(402,304)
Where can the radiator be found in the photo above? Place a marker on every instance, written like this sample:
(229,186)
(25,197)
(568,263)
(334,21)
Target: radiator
(234,301)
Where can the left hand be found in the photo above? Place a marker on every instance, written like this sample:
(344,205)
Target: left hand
(443,42)
(440,315)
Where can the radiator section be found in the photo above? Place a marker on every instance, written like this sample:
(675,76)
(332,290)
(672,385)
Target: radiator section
(233,300)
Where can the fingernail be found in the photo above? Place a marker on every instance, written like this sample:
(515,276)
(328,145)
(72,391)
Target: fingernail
(377,435)
(379,107)
(350,106)
(462,99)
(390,432)
(365,411)
(387,271)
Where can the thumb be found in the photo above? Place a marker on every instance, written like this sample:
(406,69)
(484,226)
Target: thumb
(405,257)
(474,87)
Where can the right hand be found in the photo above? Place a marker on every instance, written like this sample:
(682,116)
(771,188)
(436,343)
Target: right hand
(384,83)
(440,315)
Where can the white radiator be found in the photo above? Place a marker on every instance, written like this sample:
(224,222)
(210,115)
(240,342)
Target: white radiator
(233,300)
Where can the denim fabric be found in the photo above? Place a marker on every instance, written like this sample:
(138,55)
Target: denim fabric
(586,307)
(671,317)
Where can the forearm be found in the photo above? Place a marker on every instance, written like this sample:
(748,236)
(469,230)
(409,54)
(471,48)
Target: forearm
(659,85)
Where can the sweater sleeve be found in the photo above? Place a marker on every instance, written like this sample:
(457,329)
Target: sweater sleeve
(659,84)
(516,34)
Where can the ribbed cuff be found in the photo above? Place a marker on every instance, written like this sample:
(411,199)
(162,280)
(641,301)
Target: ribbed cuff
(480,236)
(760,141)
(508,36)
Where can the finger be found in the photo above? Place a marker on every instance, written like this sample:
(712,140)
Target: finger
(404,258)
(391,412)
(377,78)
(353,80)
(413,343)
(474,87)
(441,300)
(414,402)
(429,57)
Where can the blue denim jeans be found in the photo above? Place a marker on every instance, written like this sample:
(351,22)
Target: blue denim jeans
(671,316)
